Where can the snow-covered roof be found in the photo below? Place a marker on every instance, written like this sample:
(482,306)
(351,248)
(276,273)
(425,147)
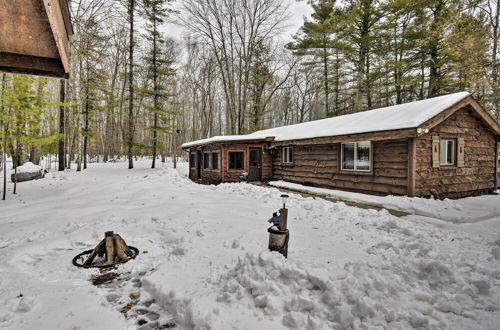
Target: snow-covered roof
(401,116)
(223,138)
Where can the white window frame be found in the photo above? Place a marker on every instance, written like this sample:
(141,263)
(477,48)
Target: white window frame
(355,169)
(218,161)
(444,161)
(287,158)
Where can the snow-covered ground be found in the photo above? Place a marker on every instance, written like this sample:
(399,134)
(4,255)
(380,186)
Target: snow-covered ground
(465,210)
(204,262)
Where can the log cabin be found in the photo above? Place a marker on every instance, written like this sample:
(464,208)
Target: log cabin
(442,147)
(34,36)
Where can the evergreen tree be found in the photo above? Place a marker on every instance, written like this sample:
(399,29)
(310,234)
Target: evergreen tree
(25,98)
(318,39)
(158,68)
(363,18)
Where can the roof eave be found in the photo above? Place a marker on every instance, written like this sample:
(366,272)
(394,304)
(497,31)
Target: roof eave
(476,107)
(266,139)
(393,134)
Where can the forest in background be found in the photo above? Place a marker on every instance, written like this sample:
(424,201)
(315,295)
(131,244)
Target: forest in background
(135,90)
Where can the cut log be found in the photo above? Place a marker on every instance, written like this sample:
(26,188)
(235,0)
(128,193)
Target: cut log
(121,249)
(103,278)
(98,250)
(110,251)
(26,176)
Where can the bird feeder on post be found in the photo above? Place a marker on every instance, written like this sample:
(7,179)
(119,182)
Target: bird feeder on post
(279,237)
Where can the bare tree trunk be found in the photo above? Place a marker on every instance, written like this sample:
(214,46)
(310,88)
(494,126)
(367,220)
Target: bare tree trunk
(325,77)
(62,98)
(155,88)
(5,134)
(131,86)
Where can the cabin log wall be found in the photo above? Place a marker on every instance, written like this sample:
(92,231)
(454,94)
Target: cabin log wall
(224,174)
(234,175)
(209,175)
(318,165)
(475,177)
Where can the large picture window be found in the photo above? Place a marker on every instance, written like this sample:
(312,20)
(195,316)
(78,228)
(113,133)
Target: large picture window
(447,152)
(287,155)
(356,156)
(206,160)
(192,160)
(215,161)
(236,160)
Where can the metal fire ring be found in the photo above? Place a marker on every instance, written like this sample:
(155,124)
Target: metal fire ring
(75,259)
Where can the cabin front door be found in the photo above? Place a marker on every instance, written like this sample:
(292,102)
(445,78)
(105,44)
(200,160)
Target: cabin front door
(255,164)
(199,155)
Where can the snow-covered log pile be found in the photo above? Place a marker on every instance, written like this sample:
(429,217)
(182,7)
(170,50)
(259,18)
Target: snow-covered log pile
(27,172)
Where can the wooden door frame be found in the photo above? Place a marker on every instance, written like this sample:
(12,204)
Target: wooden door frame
(199,160)
(260,161)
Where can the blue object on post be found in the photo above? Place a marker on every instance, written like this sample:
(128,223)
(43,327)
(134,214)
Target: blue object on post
(276,220)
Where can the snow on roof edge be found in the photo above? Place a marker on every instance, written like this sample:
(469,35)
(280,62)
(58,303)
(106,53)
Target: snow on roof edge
(396,117)
(222,138)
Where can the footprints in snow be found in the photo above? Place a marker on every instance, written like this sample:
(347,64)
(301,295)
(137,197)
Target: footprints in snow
(126,294)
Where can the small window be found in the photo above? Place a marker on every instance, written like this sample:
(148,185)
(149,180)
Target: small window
(236,160)
(356,156)
(215,161)
(206,160)
(192,160)
(287,155)
(447,152)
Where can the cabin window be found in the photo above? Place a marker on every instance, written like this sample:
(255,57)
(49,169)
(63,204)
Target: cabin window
(206,160)
(192,160)
(236,160)
(356,156)
(287,155)
(215,161)
(447,152)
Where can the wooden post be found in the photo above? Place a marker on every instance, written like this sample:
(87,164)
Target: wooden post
(412,168)
(110,252)
(283,219)
(497,147)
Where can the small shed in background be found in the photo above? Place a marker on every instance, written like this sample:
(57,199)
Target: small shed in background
(34,37)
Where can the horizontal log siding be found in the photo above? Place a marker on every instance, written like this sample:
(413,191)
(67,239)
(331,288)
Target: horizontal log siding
(317,165)
(477,175)
(267,165)
(234,175)
(210,176)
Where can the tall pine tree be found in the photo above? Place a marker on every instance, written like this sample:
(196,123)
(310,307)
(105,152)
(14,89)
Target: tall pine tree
(159,68)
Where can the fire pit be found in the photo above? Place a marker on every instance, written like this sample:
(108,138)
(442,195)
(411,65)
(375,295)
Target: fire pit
(111,251)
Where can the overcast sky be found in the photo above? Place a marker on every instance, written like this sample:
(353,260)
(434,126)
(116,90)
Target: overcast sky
(298,10)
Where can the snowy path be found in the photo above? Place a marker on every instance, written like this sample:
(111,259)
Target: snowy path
(207,266)
(465,210)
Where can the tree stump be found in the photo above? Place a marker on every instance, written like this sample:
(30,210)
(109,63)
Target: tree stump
(113,248)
